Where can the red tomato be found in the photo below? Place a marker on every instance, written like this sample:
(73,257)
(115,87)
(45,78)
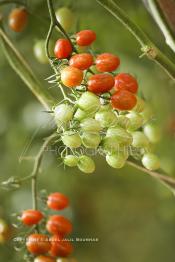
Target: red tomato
(18,19)
(85,37)
(127,82)
(44,259)
(63,48)
(38,244)
(123,100)
(59,225)
(100,83)
(60,247)
(81,61)
(31,217)
(57,201)
(71,76)
(107,62)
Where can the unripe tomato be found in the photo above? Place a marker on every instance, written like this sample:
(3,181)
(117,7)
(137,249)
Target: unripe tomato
(125,81)
(136,121)
(81,61)
(140,105)
(18,19)
(65,17)
(59,225)
(85,37)
(57,201)
(151,161)
(152,132)
(5,231)
(86,164)
(123,121)
(139,139)
(91,139)
(116,160)
(71,139)
(147,114)
(63,113)
(60,247)
(71,160)
(107,62)
(71,76)
(100,83)
(89,102)
(63,48)
(106,118)
(31,217)
(44,259)
(39,52)
(90,125)
(123,100)
(81,114)
(119,135)
(38,244)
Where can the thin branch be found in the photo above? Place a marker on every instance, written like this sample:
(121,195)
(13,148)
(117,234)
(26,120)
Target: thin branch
(163,25)
(147,47)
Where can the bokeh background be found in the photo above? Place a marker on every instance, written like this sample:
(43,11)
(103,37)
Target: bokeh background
(132,215)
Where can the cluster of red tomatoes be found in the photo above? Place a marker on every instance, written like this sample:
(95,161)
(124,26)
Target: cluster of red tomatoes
(45,247)
(123,86)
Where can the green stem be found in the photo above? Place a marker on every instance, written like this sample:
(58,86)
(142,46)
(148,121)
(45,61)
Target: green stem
(147,47)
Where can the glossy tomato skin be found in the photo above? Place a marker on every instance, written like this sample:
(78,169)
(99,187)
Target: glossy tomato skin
(123,100)
(60,247)
(57,201)
(63,48)
(59,225)
(124,81)
(38,244)
(71,76)
(31,217)
(85,37)
(18,19)
(44,259)
(100,83)
(81,61)
(107,62)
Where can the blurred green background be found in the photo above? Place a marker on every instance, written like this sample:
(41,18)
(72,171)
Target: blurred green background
(132,215)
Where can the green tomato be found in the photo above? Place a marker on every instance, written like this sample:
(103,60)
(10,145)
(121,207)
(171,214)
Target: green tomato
(91,140)
(152,132)
(71,139)
(136,121)
(110,145)
(139,139)
(140,105)
(151,161)
(40,53)
(89,102)
(90,125)
(106,107)
(63,113)
(66,18)
(86,164)
(147,114)
(123,121)
(106,118)
(71,160)
(116,160)
(119,135)
(80,115)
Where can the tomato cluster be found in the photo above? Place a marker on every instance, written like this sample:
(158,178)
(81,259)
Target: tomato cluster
(45,247)
(108,115)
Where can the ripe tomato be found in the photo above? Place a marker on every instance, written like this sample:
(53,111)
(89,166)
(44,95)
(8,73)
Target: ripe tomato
(65,17)
(57,201)
(81,61)
(123,100)
(126,82)
(38,244)
(60,247)
(71,76)
(107,62)
(85,37)
(59,225)
(100,83)
(63,48)
(44,259)
(31,217)
(18,19)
